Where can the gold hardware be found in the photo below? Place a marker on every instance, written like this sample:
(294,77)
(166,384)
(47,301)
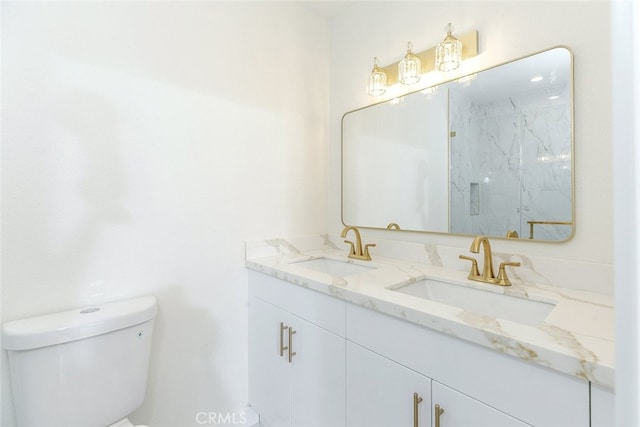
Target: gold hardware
(393,226)
(474,265)
(487,275)
(452,134)
(512,234)
(282,348)
(356,251)
(353,248)
(532,223)
(427,57)
(291,354)
(487,266)
(416,400)
(502,278)
(439,412)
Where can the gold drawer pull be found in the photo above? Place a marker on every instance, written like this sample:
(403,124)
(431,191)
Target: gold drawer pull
(416,400)
(439,411)
(291,353)
(282,347)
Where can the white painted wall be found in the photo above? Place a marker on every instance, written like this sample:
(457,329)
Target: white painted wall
(142,144)
(507,30)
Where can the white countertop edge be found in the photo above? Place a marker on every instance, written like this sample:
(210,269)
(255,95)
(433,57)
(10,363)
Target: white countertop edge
(577,354)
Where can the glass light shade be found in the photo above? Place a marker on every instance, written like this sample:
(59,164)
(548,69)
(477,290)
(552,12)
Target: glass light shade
(467,80)
(430,90)
(448,52)
(410,68)
(377,84)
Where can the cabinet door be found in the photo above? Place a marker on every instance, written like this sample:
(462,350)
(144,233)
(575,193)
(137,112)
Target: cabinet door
(380,392)
(268,371)
(602,406)
(462,411)
(317,376)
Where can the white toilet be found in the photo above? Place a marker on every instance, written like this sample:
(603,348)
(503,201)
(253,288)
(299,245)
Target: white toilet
(81,368)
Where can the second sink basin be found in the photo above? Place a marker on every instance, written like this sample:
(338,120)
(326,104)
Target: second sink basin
(333,267)
(520,310)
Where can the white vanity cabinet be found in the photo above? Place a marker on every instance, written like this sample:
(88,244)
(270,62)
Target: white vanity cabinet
(269,372)
(383,393)
(355,366)
(296,367)
(602,406)
(500,388)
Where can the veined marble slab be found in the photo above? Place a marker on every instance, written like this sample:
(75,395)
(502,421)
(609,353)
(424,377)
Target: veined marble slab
(577,337)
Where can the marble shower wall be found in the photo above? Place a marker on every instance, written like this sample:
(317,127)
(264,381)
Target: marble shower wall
(511,163)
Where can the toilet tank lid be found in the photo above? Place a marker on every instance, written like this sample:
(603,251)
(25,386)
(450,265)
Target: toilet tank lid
(72,325)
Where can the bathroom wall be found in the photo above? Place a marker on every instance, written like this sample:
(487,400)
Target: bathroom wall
(507,31)
(142,144)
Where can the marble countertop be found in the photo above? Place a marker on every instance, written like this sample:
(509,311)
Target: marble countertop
(576,337)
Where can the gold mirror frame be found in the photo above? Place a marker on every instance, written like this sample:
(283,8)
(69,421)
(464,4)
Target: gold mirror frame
(524,232)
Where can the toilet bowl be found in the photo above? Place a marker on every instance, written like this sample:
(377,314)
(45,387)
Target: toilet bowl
(81,368)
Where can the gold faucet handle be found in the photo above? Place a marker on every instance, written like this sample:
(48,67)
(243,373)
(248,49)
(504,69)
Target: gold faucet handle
(367,256)
(353,247)
(474,265)
(502,278)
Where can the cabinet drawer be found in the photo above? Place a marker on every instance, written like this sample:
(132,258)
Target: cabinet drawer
(531,393)
(320,309)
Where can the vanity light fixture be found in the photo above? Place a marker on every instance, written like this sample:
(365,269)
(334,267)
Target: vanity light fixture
(410,68)
(377,80)
(448,52)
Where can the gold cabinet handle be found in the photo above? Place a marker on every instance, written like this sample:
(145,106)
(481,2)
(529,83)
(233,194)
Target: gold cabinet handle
(416,400)
(291,353)
(439,411)
(282,347)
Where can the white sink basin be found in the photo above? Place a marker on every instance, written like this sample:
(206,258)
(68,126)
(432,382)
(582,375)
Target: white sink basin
(333,267)
(520,310)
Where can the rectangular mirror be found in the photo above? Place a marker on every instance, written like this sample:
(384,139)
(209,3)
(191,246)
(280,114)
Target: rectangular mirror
(490,153)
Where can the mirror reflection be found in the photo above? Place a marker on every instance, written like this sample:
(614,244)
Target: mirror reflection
(490,153)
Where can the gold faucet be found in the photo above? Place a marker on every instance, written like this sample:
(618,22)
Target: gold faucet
(356,251)
(487,275)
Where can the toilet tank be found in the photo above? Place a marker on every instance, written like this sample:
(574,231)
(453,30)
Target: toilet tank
(85,367)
